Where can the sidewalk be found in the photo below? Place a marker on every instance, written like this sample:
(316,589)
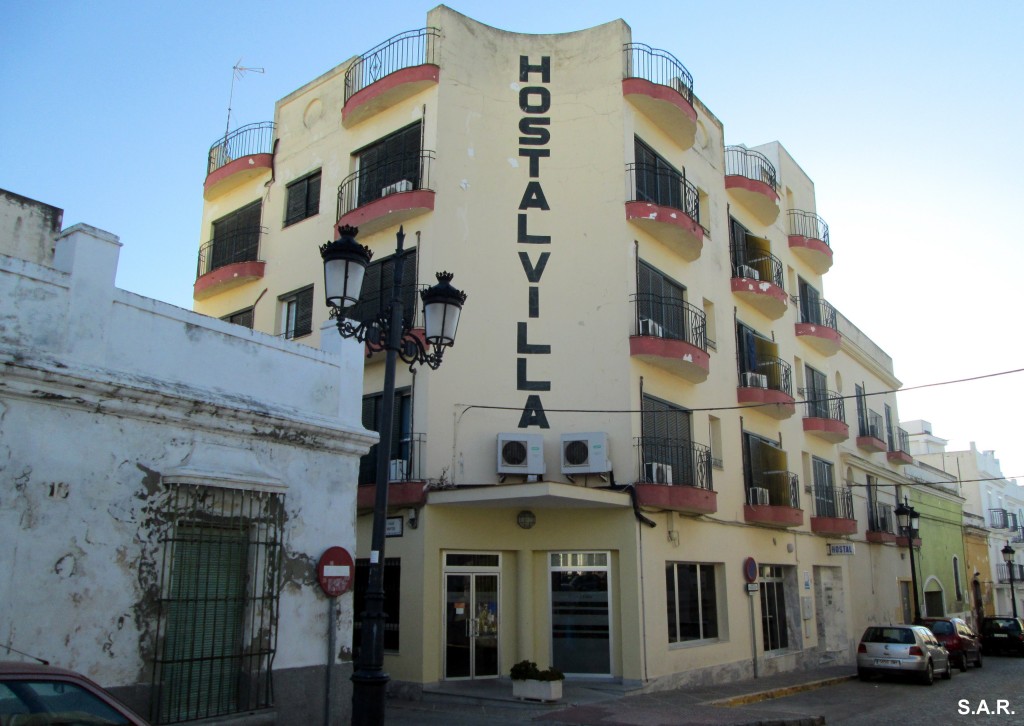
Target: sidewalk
(466,703)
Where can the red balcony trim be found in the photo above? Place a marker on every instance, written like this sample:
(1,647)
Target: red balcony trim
(870,443)
(881,537)
(400,494)
(832,428)
(226,277)
(250,163)
(773,516)
(899,457)
(643,87)
(646,212)
(749,285)
(810,243)
(755,186)
(363,98)
(833,525)
(679,352)
(756,395)
(818,331)
(393,204)
(902,541)
(690,499)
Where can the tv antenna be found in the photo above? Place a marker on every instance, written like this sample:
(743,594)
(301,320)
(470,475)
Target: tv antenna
(237,71)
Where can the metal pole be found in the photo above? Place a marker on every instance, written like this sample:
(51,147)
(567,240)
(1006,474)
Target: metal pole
(913,574)
(369,681)
(1013,598)
(331,632)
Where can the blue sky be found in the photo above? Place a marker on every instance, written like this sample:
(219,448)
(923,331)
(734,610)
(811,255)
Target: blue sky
(907,116)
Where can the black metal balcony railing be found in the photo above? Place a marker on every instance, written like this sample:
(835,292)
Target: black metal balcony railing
(807,224)
(824,404)
(872,425)
(250,139)
(998,519)
(674,461)
(400,173)
(834,502)
(406,461)
(758,265)
(665,317)
(881,518)
(405,50)
(816,312)
(1018,535)
(774,488)
(657,66)
(242,245)
(1003,572)
(664,187)
(750,164)
(1011,520)
(766,371)
(899,439)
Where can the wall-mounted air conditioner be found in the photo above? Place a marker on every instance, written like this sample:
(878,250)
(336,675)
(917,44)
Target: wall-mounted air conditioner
(758,495)
(747,271)
(755,380)
(520,453)
(403,185)
(585,453)
(657,473)
(397,470)
(650,327)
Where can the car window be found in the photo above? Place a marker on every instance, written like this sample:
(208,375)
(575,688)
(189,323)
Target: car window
(941,628)
(62,702)
(878,634)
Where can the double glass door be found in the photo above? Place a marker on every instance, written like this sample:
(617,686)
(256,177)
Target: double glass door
(471,625)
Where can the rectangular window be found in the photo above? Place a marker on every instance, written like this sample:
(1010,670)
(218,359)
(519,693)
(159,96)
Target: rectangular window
(657,181)
(669,455)
(242,317)
(303,198)
(401,434)
(218,607)
(297,313)
(766,473)
(692,601)
(236,238)
(774,629)
(375,295)
(392,601)
(825,502)
(390,165)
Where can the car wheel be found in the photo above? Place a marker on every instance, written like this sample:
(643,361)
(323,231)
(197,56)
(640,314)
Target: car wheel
(948,673)
(977,663)
(963,662)
(928,677)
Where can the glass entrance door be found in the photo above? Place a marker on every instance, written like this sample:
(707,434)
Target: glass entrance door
(471,625)
(580,613)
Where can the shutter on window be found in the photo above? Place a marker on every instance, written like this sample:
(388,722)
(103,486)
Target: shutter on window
(304,312)
(313,195)
(774,460)
(296,202)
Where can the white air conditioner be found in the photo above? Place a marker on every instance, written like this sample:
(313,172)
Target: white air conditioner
(520,453)
(758,495)
(650,328)
(755,380)
(585,453)
(657,473)
(747,271)
(396,470)
(399,186)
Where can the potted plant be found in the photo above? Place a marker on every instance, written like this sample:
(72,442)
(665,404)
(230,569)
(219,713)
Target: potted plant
(530,683)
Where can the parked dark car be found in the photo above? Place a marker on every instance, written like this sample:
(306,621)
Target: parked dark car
(32,694)
(1002,635)
(963,644)
(902,650)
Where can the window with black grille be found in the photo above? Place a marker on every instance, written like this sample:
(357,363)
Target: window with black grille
(390,165)
(375,295)
(297,313)
(657,181)
(236,237)
(303,198)
(241,317)
(401,434)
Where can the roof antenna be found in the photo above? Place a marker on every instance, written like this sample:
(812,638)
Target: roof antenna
(237,71)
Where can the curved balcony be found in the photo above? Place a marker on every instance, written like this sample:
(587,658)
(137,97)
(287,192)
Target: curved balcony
(675,475)
(666,206)
(825,415)
(899,447)
(818,327)
(870,433)
(833,511)
(753,182)
(227,261)
(662,89)
(242,155)
(808,238)
(773,500)
(395,70)
(766,382)
(758,281)
(672,335)
(881,524)
(387,194)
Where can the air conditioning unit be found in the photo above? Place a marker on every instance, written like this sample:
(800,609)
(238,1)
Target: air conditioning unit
(758,495)
(397,470)
(755,380)
(650,328)
(399,186)
(520,453)
(657,473)
(748,272)
(585,453)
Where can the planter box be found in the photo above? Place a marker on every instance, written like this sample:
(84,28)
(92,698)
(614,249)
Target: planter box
(537,690)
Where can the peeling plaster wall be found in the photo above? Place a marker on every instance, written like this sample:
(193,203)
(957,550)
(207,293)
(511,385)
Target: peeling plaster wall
(91,429)
(28,228)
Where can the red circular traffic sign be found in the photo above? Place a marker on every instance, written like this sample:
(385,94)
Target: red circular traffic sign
(334,571)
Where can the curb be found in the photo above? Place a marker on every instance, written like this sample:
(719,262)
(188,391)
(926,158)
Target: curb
(748,698)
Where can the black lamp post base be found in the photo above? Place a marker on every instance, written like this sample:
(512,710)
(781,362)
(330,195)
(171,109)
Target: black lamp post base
(369,690)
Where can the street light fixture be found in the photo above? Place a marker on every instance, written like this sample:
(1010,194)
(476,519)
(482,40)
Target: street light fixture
(1008,555)
(909,521)
(345,263)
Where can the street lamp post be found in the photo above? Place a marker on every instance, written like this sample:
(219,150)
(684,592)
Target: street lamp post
(1008,554)
(345,263)
(909,521)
